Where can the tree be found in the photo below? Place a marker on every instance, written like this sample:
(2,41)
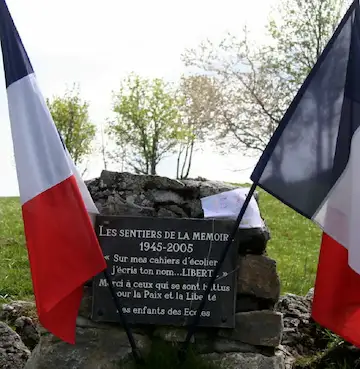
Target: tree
(301,34)
(71,117)
(103,151)
(200,94)
(258,82)
(148,122)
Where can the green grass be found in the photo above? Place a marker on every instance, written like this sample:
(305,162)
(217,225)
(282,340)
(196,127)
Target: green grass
(15,281)
(294,245)
(165,355)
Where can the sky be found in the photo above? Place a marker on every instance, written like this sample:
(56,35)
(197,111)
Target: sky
(97,43)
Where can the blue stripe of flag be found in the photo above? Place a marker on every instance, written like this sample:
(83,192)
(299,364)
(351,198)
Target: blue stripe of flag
(310,148)
(16,61)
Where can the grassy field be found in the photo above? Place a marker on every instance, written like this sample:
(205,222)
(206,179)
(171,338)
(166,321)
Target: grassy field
(294,245)
(15,279)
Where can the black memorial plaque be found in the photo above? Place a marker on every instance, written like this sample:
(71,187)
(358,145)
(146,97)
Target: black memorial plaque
(160,268)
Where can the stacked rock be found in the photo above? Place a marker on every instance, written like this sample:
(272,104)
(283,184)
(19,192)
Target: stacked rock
(258,331)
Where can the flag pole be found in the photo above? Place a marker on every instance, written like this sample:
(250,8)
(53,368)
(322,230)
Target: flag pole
(122,319)
(192,327)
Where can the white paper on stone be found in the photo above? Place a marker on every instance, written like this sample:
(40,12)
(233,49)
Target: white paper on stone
(228,204)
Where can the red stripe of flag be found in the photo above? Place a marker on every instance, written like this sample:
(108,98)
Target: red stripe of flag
(63,248)
(336,303)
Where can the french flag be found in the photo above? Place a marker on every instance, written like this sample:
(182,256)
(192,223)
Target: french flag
(312,164)
(62,245)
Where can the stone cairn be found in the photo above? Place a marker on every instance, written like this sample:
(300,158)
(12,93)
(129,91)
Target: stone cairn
(258,332)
